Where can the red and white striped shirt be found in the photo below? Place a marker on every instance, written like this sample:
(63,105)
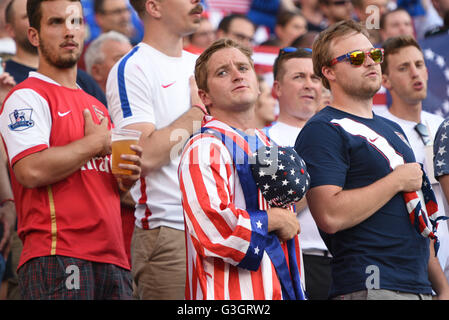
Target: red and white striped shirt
(220,231)
(226,6)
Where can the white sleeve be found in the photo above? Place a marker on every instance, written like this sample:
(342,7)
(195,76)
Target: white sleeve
(25,124)
(128,93)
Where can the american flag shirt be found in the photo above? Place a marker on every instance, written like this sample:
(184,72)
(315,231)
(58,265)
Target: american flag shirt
(224,242)
(441,150)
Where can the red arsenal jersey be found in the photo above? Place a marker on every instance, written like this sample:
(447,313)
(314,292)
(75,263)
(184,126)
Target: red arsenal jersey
(80,215)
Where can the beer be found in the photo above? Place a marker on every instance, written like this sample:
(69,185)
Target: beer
(120,147)
(122,139)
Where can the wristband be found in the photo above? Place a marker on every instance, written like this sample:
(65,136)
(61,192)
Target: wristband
(203,108)
(5,200)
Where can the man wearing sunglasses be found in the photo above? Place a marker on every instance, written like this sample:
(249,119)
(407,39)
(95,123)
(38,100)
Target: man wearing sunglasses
(404,74)
(363,173)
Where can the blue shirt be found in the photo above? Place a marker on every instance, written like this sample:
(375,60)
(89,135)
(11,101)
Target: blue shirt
(386,241)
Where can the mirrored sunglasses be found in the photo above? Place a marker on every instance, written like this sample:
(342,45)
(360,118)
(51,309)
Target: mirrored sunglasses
(357,57)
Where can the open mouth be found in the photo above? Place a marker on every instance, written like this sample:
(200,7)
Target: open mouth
(418,85)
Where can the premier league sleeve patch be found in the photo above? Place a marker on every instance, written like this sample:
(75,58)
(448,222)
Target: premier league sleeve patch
(20,119)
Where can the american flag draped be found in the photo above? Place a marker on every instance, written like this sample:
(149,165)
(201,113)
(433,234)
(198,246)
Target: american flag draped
(287,271)
(436,57)
(421,215)
(230,253)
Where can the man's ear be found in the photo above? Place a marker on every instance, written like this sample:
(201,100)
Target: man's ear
(99,19)
(33,36)
(276,91)
(96,72)
(153,8)
(328,72)
(279,31)
(386,83)
(204,96)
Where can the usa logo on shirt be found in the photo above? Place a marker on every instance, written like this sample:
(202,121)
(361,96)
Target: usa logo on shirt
(20,119)
(400,135)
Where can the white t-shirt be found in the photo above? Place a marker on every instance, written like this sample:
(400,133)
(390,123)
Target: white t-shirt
(149,86)
(432,122)
(310,239)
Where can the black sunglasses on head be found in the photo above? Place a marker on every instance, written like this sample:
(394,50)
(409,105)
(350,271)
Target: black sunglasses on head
(292,49)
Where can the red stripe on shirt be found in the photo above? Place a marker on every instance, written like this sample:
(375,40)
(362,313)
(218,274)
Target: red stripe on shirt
(219,279)
(257,282)
(204,240)
(234,284)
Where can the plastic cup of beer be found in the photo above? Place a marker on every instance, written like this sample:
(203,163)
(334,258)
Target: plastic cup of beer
(122,139)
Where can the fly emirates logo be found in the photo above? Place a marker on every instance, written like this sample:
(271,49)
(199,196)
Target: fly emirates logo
(98,164)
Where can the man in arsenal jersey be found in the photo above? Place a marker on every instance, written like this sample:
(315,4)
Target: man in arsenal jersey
(66,196)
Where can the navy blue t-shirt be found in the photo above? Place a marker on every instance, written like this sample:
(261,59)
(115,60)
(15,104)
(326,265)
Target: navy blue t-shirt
(352,152)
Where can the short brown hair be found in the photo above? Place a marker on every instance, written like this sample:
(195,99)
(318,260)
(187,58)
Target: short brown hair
(393,45)
(278,70)
(139,6)
(383,17)
(285,16)
(203,59)
(321,53)
(34,12)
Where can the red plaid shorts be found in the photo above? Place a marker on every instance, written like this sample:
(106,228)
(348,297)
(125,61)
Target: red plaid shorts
(60,278)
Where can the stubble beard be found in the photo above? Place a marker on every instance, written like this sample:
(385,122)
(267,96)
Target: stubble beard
(58,61)
(363,91)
